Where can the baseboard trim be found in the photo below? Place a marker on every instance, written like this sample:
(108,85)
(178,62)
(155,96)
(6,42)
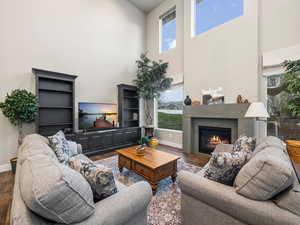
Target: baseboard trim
(172,144)
(5,167)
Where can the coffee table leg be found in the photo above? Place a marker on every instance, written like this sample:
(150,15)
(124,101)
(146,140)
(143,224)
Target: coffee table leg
(154,188)
(174,177)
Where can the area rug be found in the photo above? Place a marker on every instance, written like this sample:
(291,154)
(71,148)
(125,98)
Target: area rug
(165,205)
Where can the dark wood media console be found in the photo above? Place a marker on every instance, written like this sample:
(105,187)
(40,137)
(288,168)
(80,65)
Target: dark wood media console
(103,141)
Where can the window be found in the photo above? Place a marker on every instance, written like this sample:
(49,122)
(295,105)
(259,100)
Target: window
(170,108)
(168,30)
(281,123)
(209,14)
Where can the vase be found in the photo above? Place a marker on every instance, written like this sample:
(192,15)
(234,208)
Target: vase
(153,142)
(188,100)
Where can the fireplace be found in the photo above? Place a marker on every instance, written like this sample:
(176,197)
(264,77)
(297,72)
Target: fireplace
(210,137)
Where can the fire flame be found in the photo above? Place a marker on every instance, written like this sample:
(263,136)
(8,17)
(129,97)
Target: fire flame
(215,139)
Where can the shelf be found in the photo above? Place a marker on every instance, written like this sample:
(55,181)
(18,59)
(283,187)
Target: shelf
(55,124)
(55,107)
(54,90)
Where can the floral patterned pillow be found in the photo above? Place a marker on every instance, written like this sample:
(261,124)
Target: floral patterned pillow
(99,177)
(60,146)
(223,167)
(244,143)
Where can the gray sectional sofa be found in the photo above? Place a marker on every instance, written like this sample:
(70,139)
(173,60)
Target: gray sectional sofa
(205,202)
(127,207)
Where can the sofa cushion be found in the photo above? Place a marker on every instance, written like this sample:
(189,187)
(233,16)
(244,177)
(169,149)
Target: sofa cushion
(34,146)
(99,177)
(60,146)
(224,166)
(34,137)
(268,173)
(55,191)
(267,142)
(244,143)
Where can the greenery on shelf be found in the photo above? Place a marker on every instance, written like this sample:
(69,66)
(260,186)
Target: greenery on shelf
(151,80)
(21,106)
(291,84)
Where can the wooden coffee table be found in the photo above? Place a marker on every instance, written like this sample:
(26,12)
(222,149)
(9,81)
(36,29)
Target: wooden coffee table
(153,166)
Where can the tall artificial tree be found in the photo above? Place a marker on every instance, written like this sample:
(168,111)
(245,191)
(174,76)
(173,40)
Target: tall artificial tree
(151,80)
(20,107)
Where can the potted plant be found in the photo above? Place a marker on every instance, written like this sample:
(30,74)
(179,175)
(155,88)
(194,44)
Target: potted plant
(19,107)
(151,80)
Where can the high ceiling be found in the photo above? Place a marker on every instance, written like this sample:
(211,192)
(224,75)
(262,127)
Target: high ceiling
(146,5)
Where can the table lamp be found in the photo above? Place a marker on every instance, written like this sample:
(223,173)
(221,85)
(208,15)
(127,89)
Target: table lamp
(258,111)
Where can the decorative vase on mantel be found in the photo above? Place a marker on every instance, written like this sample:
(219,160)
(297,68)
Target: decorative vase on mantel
(188,100)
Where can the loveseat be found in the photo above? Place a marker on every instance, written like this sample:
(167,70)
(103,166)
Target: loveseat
(206,202)
(127,207)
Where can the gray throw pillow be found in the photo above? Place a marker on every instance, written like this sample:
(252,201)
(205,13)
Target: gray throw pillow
(268,173)
(224,166)
(99,177)
(244,143)
(55,191)
(61,147)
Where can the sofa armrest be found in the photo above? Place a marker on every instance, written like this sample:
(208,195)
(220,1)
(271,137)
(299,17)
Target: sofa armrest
(225,199)
(224,148)
(123,206)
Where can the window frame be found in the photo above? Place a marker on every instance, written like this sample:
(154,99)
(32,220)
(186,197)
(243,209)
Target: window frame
(173,86)
(161,18)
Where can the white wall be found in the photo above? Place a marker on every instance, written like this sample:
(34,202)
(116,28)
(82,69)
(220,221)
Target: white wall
(280,24)
(99,40)
(226,56)
(174,56)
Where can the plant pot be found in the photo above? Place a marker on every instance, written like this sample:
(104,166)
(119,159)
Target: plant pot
(153,142)
(149,131)
(13,163)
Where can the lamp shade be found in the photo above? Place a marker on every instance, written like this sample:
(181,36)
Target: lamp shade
(257,110)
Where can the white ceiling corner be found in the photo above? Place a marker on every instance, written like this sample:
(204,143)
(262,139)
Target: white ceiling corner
(146,5)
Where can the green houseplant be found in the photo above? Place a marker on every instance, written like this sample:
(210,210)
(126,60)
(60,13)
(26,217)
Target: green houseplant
(291,85)
(151,80)
(19,107)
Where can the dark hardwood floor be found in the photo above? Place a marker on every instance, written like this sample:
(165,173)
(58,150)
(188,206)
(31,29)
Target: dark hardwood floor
(7,179)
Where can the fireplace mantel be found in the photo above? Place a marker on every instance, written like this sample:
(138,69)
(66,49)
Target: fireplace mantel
(226,115)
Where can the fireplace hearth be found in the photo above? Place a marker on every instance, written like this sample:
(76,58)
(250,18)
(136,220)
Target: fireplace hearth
(210,137)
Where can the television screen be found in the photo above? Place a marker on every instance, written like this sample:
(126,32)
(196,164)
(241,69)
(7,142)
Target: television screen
(97,116)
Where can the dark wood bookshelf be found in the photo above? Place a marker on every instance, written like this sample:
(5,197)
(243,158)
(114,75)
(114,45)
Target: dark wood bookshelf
(128,106)
(56,96)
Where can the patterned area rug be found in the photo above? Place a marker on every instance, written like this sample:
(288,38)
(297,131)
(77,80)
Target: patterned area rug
(165,205)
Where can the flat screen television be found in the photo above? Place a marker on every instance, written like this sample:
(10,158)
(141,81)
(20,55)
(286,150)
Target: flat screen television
(93,116)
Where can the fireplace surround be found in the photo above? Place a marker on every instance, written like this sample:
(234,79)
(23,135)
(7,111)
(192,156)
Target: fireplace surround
(225,117)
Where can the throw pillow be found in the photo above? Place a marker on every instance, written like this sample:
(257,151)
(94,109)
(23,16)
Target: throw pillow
(268,173)
(100,178)
(55,191)
(61,147)
(224,166)
(244,143)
